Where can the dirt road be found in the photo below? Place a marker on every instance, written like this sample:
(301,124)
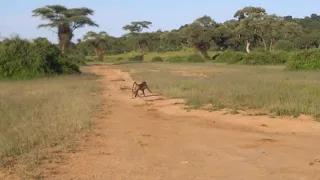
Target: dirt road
(153,138)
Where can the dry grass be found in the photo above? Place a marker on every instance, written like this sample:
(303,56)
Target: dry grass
(266,88)
(43,113)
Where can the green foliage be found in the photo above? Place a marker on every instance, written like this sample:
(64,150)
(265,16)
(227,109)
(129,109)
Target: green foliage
(285,45)
(136,58)
(22,59)
(264,58)
(230,57)
(254,28)
(304,60)
(67,65)
(65,20)
(119,58)
(157,59)
(253,58)
(195,58)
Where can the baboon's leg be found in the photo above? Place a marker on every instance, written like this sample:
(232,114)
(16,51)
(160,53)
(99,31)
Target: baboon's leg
(136,93)
(143,92)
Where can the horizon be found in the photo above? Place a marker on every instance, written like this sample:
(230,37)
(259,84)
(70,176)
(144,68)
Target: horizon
(112,16)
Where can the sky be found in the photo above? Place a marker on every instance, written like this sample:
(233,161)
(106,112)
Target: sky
(16,15)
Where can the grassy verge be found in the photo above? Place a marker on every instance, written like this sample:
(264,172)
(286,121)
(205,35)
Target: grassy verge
(42,113)
(266,88)
(148,57)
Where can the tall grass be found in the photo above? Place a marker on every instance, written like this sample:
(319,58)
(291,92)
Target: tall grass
(43,113)
(267,88)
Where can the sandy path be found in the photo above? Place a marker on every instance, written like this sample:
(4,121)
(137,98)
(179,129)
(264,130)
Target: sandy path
(153,138)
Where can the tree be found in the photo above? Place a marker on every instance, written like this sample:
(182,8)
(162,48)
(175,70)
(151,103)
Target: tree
(198,36)
(98,41)
(66,20)
(205,21)
(135,29)
(248,25)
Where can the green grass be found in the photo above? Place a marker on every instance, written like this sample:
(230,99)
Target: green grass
(45,112)
(147,58)
(239,87)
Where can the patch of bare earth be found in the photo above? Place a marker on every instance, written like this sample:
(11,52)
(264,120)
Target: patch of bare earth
(155,138)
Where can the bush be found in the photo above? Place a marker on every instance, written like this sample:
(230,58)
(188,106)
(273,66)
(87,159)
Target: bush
(265,57)
(136,58)
(253,58)
(214,57)
(22,59)
(304,60)
(157,59)
(195,58)
(119,58)
(285,45)
(230,57)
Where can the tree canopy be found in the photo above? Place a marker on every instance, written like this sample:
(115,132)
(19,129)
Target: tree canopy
(251,29)
(65,20)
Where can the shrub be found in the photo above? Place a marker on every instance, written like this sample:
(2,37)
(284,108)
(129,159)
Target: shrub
(285,45)
(22,59)
(253,58)
(175,59)
(265,57)
(136,58)
(195,58)
(230,57)
(119,58)
(66,65)
(304,60)
(157,59)
(214,57)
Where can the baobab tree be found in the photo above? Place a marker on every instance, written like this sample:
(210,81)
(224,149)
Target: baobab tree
(65,20)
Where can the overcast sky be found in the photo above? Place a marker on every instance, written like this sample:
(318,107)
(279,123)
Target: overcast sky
(15,15)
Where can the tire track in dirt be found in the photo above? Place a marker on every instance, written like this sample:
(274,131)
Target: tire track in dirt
(153,138)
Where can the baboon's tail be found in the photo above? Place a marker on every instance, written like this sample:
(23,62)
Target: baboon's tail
(133,86)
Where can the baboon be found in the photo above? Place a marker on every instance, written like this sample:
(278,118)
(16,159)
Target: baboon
(138,87)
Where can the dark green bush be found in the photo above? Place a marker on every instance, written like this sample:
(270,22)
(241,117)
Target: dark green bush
(230,57)
(22,59)
(285,45)
(304,60)
(214,57)
(175,59)
(157,59)
(265,57)
(136,58)
(253,58)
(195,58)
(119,58)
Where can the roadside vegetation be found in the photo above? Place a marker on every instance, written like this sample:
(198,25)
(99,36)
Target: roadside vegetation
(259,90)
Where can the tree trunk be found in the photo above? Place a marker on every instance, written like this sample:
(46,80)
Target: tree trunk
(64,43)
(264,43)
(65,36)
(100,53)
(95,51)
(271,44)
(248,46)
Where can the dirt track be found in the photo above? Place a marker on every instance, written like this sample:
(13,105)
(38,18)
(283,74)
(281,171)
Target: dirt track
(153,138)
